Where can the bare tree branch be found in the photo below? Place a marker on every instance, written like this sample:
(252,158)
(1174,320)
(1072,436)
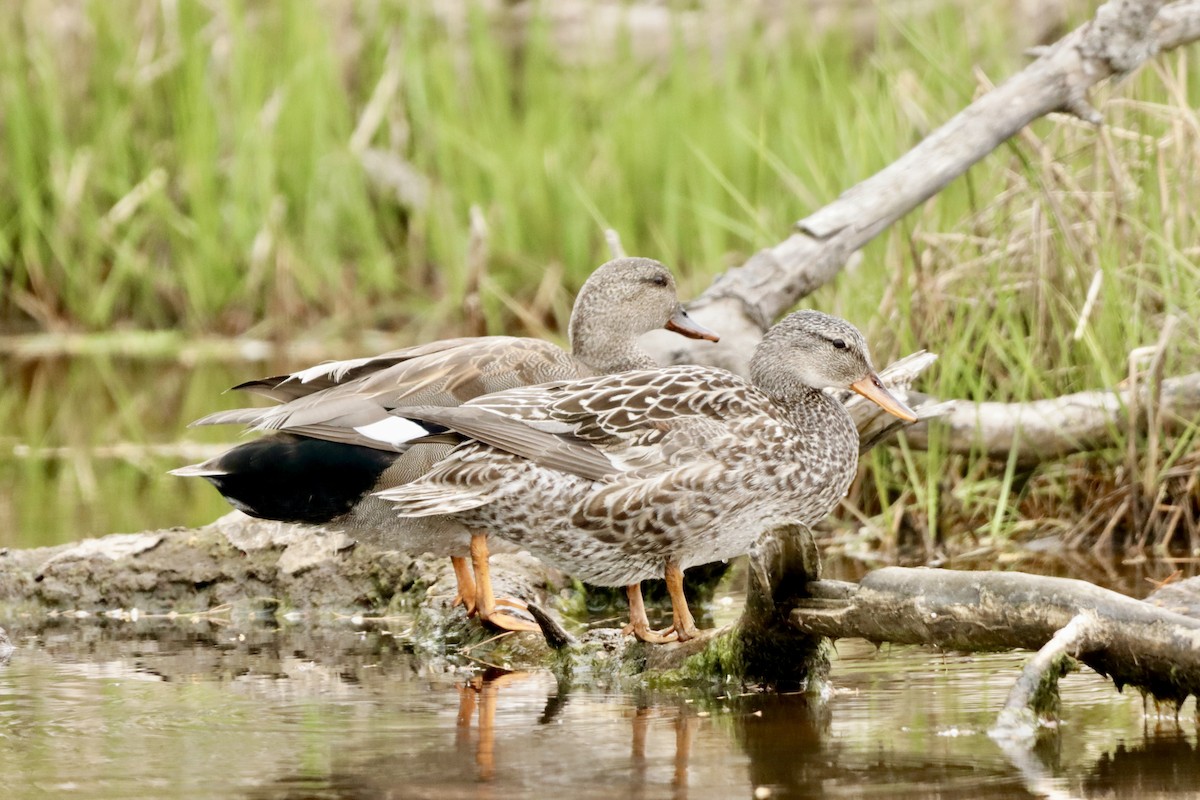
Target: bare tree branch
(1019,717)
(1048,429)
(1177,24)
(742,302)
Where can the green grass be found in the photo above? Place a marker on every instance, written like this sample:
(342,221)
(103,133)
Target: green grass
(201,171)
(146,154)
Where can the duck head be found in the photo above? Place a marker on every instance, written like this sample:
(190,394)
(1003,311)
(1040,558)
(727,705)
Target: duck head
(622,300)
(809,350)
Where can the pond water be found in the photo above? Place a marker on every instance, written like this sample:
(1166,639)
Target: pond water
(108,708)
(86,443)
(100,708)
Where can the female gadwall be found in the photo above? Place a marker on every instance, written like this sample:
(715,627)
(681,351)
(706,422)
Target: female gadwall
(620,478)
(336,444)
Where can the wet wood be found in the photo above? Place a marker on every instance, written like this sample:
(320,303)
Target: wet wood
(247,569)
(1133,642)
(1035,694)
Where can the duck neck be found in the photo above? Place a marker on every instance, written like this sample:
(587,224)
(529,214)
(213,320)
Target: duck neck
(606,349)
(787,387)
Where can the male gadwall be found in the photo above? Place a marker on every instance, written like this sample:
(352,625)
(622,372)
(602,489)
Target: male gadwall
(336,444)
(619,478)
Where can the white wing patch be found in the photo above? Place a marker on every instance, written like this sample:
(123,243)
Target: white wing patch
(422,499)
(393,430)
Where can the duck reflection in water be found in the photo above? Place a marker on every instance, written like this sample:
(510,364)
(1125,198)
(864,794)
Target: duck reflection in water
(478,696)
(478,699)
(685,723)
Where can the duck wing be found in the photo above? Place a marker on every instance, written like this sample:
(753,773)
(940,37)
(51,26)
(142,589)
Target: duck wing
(352,406)
(285,388)
(598,427)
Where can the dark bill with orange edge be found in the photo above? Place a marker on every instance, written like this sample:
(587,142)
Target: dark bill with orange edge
(682,324)
(871,388)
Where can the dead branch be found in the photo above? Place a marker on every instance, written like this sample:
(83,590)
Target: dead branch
(1030,695)
(1047,429)
(742,302)
(1132,642)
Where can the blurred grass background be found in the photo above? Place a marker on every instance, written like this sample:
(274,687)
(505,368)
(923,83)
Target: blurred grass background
(305,170)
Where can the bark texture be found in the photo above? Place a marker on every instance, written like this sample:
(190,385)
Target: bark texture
(1043,430)
(1131,641)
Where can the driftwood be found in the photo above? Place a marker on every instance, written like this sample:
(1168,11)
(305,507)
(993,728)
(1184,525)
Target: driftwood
(243,570)
(744,301)
(1048,429)
(1033,694)
(601,31)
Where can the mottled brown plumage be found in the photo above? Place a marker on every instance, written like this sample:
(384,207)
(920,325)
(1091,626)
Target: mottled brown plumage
(620,478)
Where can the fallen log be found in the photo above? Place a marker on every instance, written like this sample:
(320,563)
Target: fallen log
(603,31)
(242,570)
(1131,641)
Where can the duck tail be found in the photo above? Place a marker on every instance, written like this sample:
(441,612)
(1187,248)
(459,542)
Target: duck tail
(422,499)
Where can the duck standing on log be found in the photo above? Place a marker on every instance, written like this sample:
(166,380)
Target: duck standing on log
(335,444)
(619,478)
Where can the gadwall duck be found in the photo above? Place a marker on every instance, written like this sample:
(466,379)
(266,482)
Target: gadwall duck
(616,479)
(335,444)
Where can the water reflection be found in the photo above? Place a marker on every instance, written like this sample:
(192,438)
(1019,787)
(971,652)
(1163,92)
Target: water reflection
(107,708)
(86,443)
(1157,765)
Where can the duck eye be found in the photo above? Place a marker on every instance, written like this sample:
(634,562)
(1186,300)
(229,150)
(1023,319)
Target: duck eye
(839,344)
(659,280)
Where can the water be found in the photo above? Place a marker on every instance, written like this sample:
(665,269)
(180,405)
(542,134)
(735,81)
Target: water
(108,709)
(105,708)
(85,444)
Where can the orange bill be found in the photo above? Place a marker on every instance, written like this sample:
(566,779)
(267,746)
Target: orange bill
(871,388)
(684,325)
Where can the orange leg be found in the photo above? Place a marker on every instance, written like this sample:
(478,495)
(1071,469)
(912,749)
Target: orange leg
(485,600)
(639,623)
(685,624)
(466,584)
